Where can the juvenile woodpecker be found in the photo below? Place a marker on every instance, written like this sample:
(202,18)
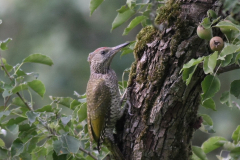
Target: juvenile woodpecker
(103,97)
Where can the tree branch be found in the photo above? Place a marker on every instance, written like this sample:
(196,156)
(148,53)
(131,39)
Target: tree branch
(19,95)
(88,153)
(228,68)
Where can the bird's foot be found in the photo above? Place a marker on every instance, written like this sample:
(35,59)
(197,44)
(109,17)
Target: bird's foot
(126,95)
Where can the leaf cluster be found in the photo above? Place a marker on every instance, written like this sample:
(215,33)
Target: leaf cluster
(47,131)
(228,56)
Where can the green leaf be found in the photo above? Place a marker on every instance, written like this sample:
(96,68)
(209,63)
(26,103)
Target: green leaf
(32,144)
(58,147)
(74,104)
(32,116)
(19,88)
(212,61)
(207,125)
(65,120)
(16,120)
(207,120)
(2,143)
(38,87)
(199,153)
(237,58)
(13,129)
(4,113)
(94,5)
(192,62)
(209,103)
(70,143)
(26,128)
(134,23)
(235,152)
(228,49)
(4,153)
(226,99)
(19,110)
(206,23)
(210,86)
(126,51)
(39,152)
(47,108)
(124,13)
(211,14)
(216,20)
(18,102)
(17,148)
(38,58)
(189,69)
(188,73)
(236,135)
(20,72)
(206,69)
(212,144)
(228,25)
(235,88)
(82,112)
(227,60)
(229,4)
(7,66)
(3,44)
(1,86)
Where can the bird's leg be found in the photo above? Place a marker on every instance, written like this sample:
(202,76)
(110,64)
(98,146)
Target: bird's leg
(128,102)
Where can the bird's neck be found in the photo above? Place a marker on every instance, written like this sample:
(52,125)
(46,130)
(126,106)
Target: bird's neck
(100,70)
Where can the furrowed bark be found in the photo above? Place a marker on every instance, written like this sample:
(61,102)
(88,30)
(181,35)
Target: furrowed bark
(164,108)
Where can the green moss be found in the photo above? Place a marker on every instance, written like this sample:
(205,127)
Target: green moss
(168,13)
(132,73)
(181,33)
(145,36)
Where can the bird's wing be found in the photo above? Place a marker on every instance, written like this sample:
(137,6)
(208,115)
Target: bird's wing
(98,103)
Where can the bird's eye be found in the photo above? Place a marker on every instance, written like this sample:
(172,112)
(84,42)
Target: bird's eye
(102,52)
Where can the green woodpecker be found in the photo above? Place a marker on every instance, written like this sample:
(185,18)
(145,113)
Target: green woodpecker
(103,97)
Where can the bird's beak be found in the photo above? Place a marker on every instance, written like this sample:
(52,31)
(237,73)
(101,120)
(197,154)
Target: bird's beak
(119,47)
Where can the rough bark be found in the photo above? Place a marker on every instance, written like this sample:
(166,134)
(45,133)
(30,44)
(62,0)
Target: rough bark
(164,108)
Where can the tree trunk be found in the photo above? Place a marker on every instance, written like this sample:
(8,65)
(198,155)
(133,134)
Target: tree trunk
(164,108)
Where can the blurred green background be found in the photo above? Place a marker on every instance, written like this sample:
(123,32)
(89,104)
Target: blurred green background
(64,31)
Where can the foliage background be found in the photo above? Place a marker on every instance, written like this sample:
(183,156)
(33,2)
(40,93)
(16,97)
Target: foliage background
(64,31)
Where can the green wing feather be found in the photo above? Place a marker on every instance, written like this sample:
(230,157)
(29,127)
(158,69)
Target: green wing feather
(98,103)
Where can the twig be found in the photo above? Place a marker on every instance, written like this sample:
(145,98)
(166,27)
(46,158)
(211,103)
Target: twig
(228,68)
(5,103)
(5,70)
(88,153)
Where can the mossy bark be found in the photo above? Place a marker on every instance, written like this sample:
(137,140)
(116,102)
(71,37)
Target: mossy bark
(164,108)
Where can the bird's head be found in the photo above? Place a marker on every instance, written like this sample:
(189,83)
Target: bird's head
(101,58)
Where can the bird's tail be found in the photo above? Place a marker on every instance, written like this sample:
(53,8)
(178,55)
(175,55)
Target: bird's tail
(98,146)
(113,148)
